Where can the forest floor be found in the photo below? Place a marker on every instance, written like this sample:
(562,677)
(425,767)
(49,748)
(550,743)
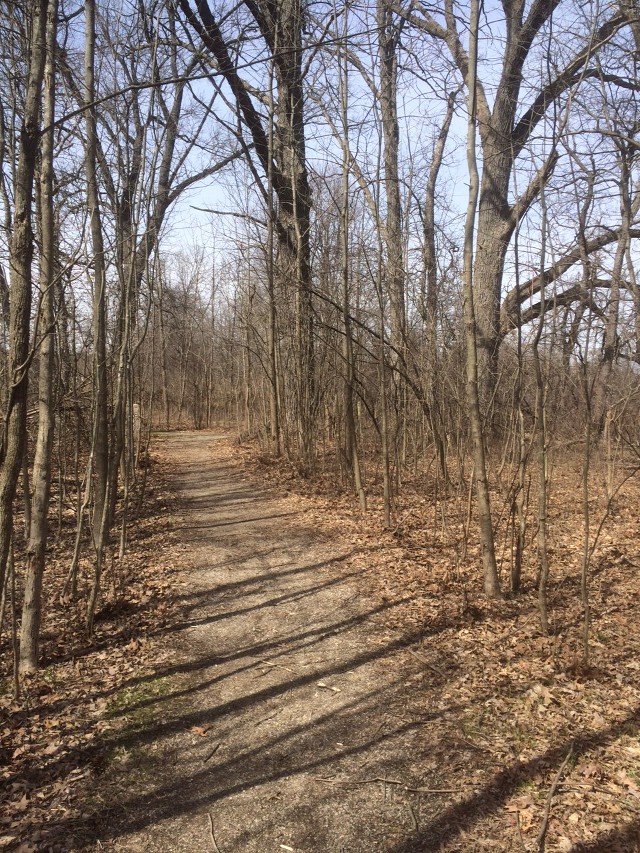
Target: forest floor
(271,671)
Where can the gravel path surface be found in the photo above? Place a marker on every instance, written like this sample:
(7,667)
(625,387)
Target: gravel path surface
(281,726)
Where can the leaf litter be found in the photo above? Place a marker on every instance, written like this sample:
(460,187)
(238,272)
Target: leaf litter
(54,739)
(528,699)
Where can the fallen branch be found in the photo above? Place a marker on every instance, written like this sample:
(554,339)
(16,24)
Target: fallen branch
(420,790)
(426,663)
(542,835)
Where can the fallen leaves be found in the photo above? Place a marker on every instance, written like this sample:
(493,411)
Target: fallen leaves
(201,731)
(504,702)
(54,741)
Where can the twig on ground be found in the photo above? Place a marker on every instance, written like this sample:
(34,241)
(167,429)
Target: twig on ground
(327,687)
(469,743)
(426,663)
(420,790)
(379,729)
(542,835)
(414,818)
(211,833)
(278,665)
(434,790)
(211,753)
(359,781)
(520,836)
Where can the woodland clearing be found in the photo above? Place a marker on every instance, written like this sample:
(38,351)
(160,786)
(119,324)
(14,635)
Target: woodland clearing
(273,671)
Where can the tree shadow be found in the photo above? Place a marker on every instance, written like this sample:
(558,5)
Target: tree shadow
(299,750)
(623,839)
(304,750)
(460,817)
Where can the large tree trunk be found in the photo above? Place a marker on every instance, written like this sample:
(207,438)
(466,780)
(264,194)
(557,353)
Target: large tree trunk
(491,581)
(20,259)
(41,480)
(281,25)
(295,207)
(493,235)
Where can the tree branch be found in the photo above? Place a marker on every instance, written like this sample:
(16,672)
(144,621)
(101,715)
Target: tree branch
(572,73)
(510,312)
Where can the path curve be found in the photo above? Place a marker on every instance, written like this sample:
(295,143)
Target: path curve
(282,709)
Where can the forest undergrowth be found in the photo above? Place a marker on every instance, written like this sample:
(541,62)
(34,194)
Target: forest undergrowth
(546,744)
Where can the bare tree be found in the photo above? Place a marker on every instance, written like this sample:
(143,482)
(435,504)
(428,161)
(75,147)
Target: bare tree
(12,442)
(42,464)
(491,580)
(281,28)
(100,441)
(506,126)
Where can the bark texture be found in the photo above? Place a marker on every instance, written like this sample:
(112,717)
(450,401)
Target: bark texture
(41,479)
(20,258)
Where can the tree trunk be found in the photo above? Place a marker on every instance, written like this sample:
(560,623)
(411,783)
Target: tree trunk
(272,323)
(20,260)
(350,436)
(494,232)
(32,606)
(99,323)
(491,581)
(610,342)
(429,306)
(387,47)
(281,26)
(295,209)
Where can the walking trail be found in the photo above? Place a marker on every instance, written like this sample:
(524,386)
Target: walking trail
(282,725)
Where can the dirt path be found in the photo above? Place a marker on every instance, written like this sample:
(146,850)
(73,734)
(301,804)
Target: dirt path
(283,713)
